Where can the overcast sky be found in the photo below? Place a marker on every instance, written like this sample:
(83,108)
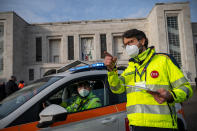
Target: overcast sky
(39,11)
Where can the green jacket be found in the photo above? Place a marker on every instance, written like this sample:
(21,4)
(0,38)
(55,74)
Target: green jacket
(83,103)
(161,72)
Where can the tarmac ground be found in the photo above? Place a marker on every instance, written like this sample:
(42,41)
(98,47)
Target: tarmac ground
(190,110)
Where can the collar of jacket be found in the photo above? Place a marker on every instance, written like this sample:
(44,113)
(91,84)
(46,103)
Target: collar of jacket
(91,95)
(144,56)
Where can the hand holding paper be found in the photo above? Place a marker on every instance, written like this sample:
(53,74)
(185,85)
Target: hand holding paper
(161,95)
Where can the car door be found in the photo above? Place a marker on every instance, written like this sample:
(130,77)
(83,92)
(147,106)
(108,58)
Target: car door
(23,106)
(103,118)
(106,117)
(118,100)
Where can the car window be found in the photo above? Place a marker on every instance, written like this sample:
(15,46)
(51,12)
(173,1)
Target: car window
(18,98)
(69,97)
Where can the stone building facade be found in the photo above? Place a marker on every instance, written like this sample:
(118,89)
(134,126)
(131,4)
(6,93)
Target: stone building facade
(29,50)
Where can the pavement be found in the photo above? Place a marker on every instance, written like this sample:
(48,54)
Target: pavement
(190,109)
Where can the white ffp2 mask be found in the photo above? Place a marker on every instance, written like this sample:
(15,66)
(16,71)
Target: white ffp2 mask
(132,50)
(83,92)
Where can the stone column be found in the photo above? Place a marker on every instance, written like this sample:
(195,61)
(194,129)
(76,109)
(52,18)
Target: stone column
(97,47)
(44,49)
(63,49)
(77,47)
(109,43)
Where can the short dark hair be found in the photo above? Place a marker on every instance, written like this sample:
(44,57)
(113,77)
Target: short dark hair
(138,34)
(83,83)
(13,77)
(21,81)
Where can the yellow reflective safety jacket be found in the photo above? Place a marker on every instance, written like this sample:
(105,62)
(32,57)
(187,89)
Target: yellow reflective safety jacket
(83,103)
(160,72)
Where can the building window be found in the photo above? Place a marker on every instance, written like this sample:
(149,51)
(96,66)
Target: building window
(103,45)
(1,46)
(31,74)
(195,44)
(87,48)
(54,50)
(196,48)
(118,48)
(39,49)
(173,38)
(70,48)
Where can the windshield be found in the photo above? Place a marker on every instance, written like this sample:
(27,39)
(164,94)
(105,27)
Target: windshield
(18,98)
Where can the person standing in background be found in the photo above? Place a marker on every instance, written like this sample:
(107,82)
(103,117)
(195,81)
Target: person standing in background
(11,86)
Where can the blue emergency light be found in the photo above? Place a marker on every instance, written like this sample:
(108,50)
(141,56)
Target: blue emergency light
(88,67)
(98,65)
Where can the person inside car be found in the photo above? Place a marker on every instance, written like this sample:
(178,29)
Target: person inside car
(84,100)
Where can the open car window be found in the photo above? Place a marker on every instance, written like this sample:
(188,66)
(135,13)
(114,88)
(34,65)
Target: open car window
(69,98)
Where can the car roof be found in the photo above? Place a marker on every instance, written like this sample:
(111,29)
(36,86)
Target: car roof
(89,72)
(92,69)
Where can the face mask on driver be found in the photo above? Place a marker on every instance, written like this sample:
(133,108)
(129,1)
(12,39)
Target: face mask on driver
(83,92)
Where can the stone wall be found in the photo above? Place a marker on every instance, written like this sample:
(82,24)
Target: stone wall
(7,19)
(20,47)
(20,39)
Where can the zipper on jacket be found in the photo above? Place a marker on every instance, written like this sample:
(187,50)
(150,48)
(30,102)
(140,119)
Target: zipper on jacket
(171,114)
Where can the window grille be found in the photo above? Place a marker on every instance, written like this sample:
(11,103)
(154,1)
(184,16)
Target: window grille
(54,50)
(87,49)
(173,38)
(119,50)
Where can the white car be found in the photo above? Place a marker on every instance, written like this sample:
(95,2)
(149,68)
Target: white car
(26,109)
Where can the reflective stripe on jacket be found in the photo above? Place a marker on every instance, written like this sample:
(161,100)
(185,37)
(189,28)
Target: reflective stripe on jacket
(142,109)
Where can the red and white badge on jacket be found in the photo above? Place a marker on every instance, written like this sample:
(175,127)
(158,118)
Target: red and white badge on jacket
(154,74)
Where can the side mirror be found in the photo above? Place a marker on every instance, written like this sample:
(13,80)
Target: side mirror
(51,114)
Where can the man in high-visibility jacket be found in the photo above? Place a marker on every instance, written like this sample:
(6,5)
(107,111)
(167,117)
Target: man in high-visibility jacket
(153,82)
(85,99)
